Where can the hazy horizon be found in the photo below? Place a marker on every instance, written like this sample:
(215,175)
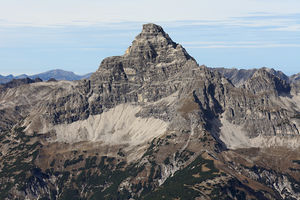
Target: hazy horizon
(16,75)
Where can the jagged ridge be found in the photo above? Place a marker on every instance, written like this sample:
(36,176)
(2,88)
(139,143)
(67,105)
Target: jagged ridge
(146,122)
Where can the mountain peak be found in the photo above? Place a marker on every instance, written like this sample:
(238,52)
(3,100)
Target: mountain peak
(152,56)
(266,80)
(152,29)
(151,34)
(154,45)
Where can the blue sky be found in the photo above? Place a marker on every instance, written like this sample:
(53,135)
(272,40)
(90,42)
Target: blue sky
(76,35)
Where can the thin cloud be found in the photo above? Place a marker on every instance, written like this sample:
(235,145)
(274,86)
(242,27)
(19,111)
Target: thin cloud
(289,22)
(291,28)
(88,13)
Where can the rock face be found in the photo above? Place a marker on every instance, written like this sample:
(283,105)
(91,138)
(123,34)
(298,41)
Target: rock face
(151,124)
(18,82)
(152,59)
(264,81)
(236,76)
(239,76)
(295,78)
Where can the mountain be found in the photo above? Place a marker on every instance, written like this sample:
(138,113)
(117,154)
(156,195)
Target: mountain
(236,76)
(5,79)
(239,76)
(57,74)
(18,82)
(295,77)
(151,124)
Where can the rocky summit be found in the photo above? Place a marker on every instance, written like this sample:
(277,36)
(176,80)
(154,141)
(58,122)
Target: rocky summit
(152,124)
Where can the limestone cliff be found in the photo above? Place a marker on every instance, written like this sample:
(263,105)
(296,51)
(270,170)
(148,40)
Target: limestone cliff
(143,121)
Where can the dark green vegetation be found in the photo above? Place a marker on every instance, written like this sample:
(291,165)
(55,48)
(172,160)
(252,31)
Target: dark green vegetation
(87,175)
(297,116)
(71,162)
(97,179)
(182,183)
(18,167)
(296,161)
(202,179)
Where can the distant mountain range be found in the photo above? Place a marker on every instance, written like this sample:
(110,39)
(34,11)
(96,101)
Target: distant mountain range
(57,74)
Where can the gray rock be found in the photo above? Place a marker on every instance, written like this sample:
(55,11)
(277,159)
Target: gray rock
(159,77)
